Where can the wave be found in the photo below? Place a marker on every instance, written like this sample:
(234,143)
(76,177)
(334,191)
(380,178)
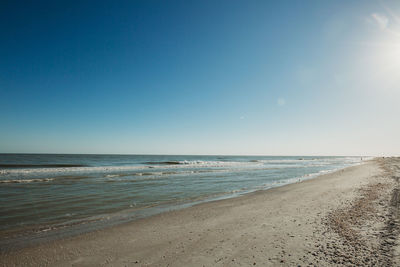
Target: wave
(18,181)
(138,174)
(163,162)
(161,173)
(196,163)
(169,167)
(184,162)
(60,170)
(41,165)
(112,170)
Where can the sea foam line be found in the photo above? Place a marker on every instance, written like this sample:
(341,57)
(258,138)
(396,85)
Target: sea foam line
(109,169)
(15,181)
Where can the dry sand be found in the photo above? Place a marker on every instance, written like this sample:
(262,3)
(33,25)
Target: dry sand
(349,217)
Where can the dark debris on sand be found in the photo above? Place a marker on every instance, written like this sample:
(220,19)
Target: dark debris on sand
(365,232)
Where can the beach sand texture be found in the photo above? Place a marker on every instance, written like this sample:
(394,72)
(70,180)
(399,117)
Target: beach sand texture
(348,217)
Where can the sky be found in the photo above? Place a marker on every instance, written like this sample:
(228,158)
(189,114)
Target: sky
(200,77)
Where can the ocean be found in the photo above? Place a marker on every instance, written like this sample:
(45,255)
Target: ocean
(45,196)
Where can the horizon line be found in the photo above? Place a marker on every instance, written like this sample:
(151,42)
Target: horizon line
(159,154)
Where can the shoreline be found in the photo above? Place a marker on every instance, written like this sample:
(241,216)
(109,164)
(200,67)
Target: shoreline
(32,235)
(14,239)
(277,226)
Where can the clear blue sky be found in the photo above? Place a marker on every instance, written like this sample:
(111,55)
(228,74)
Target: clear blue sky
(200,77)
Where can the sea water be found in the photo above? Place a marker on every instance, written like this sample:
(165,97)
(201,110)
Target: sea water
(44,195)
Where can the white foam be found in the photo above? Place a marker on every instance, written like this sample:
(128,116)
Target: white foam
(117,169)
(26,180)
(100,169)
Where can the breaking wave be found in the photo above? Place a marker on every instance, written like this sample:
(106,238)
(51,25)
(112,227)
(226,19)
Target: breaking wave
(18,181)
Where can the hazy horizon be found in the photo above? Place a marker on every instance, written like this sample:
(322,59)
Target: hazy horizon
(157,154)
(200,78)
(230,155)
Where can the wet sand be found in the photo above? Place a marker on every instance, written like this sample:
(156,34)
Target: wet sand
(349,217)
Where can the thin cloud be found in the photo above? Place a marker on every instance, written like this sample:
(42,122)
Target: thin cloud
(381,20)
(392,14)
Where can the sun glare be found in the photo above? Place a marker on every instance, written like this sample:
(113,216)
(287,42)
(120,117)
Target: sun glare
(383,53)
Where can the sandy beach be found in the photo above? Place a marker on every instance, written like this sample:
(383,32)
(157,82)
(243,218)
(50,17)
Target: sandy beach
(348,217)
